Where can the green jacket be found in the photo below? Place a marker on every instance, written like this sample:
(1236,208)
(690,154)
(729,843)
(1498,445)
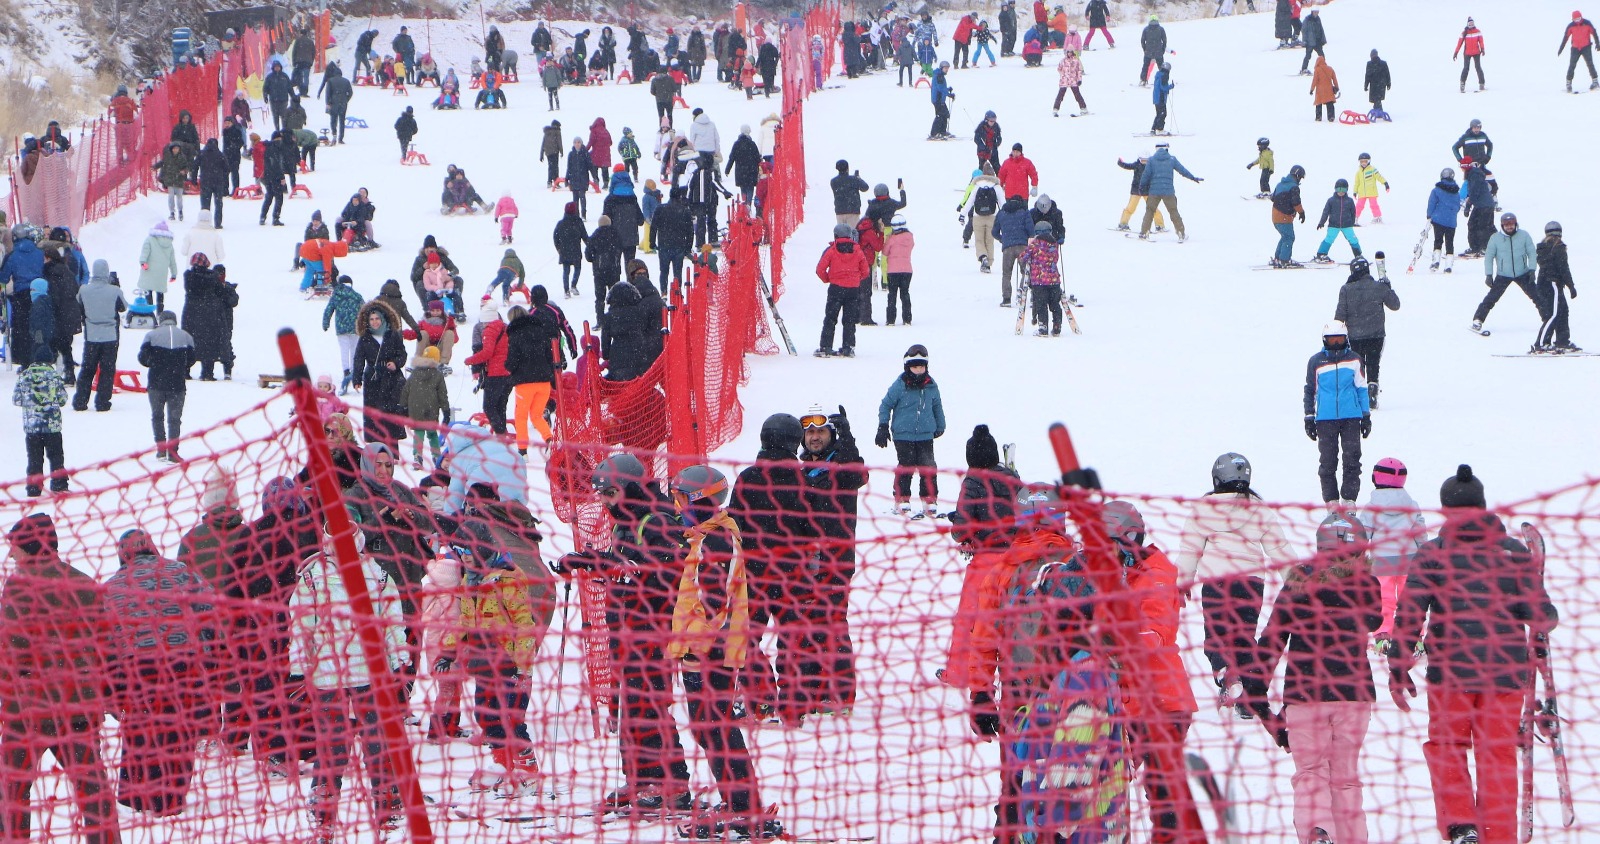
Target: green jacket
(40,393)
(172,171)
(342,309)
(425,396)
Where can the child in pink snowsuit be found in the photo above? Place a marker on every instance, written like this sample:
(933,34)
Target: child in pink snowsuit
(505,213)
(441,625)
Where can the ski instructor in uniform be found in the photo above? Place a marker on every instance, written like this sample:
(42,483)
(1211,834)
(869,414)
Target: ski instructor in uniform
(1475,599)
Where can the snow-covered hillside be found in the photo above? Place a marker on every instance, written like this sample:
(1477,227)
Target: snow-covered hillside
(1186,351)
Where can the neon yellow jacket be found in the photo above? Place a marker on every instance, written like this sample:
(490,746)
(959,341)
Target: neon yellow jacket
(1366,182)
(695,629)
(499,610)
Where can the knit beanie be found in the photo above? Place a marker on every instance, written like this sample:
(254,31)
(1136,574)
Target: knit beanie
(982,450)
(33,534)
(1463,489)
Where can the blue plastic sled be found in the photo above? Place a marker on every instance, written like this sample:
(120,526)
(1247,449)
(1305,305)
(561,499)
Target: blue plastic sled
(354,123)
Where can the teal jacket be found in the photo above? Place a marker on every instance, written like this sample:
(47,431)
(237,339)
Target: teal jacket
(913,412)
(344,306)
(1512,256)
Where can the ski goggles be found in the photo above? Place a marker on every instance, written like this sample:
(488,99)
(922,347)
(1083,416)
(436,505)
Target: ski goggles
(815,420)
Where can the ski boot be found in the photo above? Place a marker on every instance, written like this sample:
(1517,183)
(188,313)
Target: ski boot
(823,352)
(1372,395)
(1042,332)
(847,351)
(1567,348)
(1124,227)
(1058,114)
(1569,86)
(1463,833)
(1463,87)
(1433,266)
(1594,84)
(1322,258)
(983,263)
(1183,236)
(1320,836)
(1449,264)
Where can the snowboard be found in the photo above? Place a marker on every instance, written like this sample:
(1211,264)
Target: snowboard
(1552,355)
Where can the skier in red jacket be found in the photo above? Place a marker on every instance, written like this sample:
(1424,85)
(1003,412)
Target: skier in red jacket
(1582,35)
(1470,45)
(842,267)
(1018,176)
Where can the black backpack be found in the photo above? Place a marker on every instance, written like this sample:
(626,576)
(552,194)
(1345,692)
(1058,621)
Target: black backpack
(987,201)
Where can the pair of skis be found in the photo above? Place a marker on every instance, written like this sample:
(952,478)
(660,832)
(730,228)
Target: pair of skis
(766,291)
(1023,289)
(1540,713)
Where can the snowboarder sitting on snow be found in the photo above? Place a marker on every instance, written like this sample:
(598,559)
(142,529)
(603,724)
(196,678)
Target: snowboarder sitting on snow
(1041,263)
(1339,218)
(1032,50)
(458,193)
(1338,414)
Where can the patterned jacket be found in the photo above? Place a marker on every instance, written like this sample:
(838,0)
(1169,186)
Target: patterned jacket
(40,393)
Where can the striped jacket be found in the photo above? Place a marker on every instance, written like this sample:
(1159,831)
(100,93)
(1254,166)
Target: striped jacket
(160,609)
(1336,386)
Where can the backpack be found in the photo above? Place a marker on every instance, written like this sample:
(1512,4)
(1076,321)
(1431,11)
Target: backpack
(986,201)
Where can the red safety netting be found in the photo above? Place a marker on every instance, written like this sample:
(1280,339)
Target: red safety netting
(294,636)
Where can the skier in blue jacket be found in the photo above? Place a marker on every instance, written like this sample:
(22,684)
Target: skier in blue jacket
(1443,203)
(1158,94)
(940,91)
(913,415)
(1338,415)
(1158,189)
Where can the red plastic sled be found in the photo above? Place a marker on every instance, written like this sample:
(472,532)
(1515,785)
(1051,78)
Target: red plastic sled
(1353,118)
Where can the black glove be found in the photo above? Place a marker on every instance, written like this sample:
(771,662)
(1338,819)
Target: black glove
(1572,292)
(952,95)
(1400,687)
(1366,426)
(1311,428)
(443,665)
(1250,165)
(841,424)
(1302,216)
(1488,281)
(1281,736)
(882,439)
(985,716)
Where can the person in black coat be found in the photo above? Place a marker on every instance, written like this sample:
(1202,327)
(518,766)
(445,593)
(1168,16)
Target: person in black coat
(1377,85)
(275,167)
(405,128)
(337,95)
(233,144)
(744,162)
(654,308)
(769,503)
(833,474)
(695,50)
(214,171)
(207,302)
(604,253)
(1008,28)
(625,334)
(579,164)
(379,374)
(672,237)
(986,506)
(1315,39)
(1154,42)
(767,65)
(570,238)
(62,275)
(847,189)
(626,218)
(541,41)
(275,90)
(531,367)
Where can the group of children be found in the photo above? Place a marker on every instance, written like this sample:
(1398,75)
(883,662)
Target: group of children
(1341,213)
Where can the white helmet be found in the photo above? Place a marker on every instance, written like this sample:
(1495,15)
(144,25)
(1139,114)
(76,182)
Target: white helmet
(1334,328)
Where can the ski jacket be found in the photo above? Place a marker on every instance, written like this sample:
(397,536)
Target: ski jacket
(1043,621)
(1473,595)
(1152,580)
(168,352)
(703,135)
(569,238)
(1395,528)
(1324,83)
(1230,534)
(1362,301)
(1474,144)
(897,251)
(988,138)
(425,397)
(974,651)
(986,507)
(40,391)
(160,611)
(343,306)
(1097,12)
(1138,174)
(1017,176)
(1041,258)
(1510,256)
(1311,32)
(912,409)
(711,609)
(1378,82)
(1161,86)
(881,209)
(832,479)
(1286,200)
(847,191)
(769,504)
(1336,386)
(963,34)
(626,330)
(1553,268)
(1444,203)
(1322,620)
(477,456)
(1481,188)
(529,358)
(939,89)
(1154,40)
(550,145)
(101,302)
(1263,160)
(1070,70)
(26,263)
(1013,226)
(1471,41)
(843,264)
(982,197)
(497,621)
(1338,212)
(325,647)
(1157,177)
(1366,182)
(1581,32)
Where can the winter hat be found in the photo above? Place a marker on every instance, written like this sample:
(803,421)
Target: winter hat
(745,129)
(986,116)
(435,305)
(431,353)
(540,295)
(697,112)
(1016,147)
(880,189)
(627,131)
(1389,472)
(1462,489)
(843,230)
(982,450)
(487,312)
(637,266)
(572,208)
(432,258)
(344,280)
(33,533)
(317,215)
(325,381)
(1470,23)
(218,489)
(430,243)
(842,166)
(1577,15)
(619,167)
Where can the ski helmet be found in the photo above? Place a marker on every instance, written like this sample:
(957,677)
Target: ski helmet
(1552,227)
(880,189)
(1230,468)
(1507,217)
(816,416)
(1334,328)
(1166,66)
(1389,472)
(1447,175)
(1341,534)
(842,230)
(1363,157)
(898,223)
(1297,172)
(1123,522)
(1358,265)
(1341,185)
(616,472)
(1476,123)
(1262,142)
(1040,504)
(696,483)
(781,431)
(1043,229)
(916,355)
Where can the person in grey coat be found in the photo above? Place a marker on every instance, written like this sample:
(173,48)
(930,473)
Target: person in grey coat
(102,302)
(1361,303)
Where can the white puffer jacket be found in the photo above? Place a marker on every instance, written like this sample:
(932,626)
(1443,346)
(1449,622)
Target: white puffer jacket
(1230,534)
(324,646)
(1396,526)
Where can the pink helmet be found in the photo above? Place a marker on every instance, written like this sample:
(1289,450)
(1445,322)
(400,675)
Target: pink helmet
(1389,472)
